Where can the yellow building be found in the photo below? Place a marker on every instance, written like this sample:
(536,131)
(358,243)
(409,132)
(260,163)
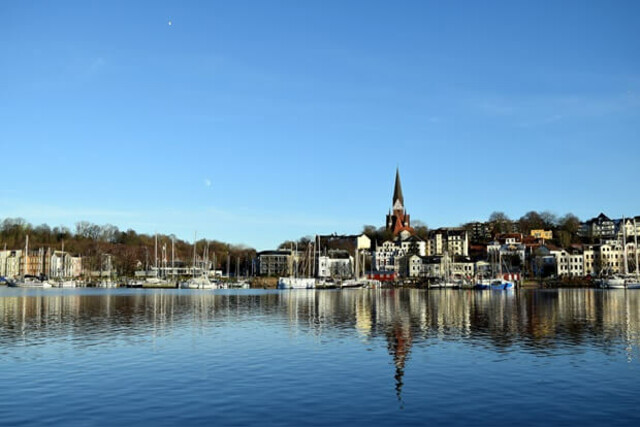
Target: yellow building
(542,234)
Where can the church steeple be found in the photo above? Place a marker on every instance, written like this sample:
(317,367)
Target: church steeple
(397,191)
(398,219)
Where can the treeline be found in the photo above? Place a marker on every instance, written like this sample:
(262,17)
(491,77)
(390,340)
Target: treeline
(565,228)
(128,249)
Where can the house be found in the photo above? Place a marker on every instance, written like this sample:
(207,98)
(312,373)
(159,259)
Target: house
(542,234)
(599,227)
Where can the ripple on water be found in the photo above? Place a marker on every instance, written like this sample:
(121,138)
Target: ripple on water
(363,357)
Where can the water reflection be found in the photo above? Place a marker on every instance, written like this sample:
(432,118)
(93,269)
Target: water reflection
(539,322)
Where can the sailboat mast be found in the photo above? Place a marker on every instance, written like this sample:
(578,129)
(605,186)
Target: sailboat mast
(156,254)
(26,256)
(173,248)
(195,239)
(624,246)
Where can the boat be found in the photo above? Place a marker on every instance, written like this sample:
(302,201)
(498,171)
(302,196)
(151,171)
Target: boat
(64,283)
(625,280)
(296,283)
(201,281)
(27,280)
(497,283)
(106,283)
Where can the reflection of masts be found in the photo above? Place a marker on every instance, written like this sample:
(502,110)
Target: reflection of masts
(635,234)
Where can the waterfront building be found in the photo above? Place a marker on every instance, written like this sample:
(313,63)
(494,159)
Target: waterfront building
(336,264)
(10,263)
(568,262)
(63,264)
(276,263)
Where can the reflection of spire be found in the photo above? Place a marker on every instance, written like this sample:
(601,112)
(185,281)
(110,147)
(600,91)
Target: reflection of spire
(399,346)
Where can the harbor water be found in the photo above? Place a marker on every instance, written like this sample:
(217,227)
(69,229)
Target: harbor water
(311,357)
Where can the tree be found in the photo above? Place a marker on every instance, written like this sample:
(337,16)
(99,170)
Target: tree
(569,223)
(421,229)
(501,222)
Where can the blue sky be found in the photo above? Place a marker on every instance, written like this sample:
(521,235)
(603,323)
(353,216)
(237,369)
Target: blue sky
(259,121)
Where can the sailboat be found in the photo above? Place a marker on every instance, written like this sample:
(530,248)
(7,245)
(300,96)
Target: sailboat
(201,281)
(29,281)
(497,283)
(61,280)
(359,281)
(624,281)
(293,281)
(445,279)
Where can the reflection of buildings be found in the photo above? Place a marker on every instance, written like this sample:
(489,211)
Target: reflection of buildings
(397,322)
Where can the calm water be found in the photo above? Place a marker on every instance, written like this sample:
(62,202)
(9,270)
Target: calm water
(379,357)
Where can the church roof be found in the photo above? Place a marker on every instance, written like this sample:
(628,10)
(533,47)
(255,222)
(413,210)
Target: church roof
(397,191)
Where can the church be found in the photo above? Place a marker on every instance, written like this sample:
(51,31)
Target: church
(398,221)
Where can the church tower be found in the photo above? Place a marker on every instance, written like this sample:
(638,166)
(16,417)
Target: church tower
(398,219)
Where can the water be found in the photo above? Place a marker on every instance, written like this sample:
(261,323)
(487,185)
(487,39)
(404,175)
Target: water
(357,357)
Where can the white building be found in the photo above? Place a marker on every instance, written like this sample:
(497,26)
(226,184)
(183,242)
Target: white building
(10,263)
(569,262)
(454,241)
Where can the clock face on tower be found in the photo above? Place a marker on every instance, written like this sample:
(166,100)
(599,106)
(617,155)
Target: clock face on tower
(397,206)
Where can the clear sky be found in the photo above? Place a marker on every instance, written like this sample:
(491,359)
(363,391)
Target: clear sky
(259,121)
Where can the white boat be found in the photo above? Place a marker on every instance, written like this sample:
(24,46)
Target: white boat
(443,284)
(64,283)
(200,282)
(106,283)
(296,283)
(29,282)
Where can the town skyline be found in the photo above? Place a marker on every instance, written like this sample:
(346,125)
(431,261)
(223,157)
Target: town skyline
(255,123)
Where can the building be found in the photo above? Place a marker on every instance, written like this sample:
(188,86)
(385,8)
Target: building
(569,262)
(542,234)
(393,255)
(398,221)
(479,232)
(10,263)
(454,241)
(335,264)
(275,263)
(598,228)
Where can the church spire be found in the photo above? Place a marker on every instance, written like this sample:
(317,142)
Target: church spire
(397,191)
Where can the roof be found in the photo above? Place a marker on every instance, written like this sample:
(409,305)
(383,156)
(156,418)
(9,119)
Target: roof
(397,191)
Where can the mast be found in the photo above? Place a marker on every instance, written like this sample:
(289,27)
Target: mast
(195,239)
(356,273)
(624,246)
(173,253)
(26,256)
(156,255)
(315,254)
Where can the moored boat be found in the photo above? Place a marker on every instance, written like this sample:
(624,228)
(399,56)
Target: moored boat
(296,283)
